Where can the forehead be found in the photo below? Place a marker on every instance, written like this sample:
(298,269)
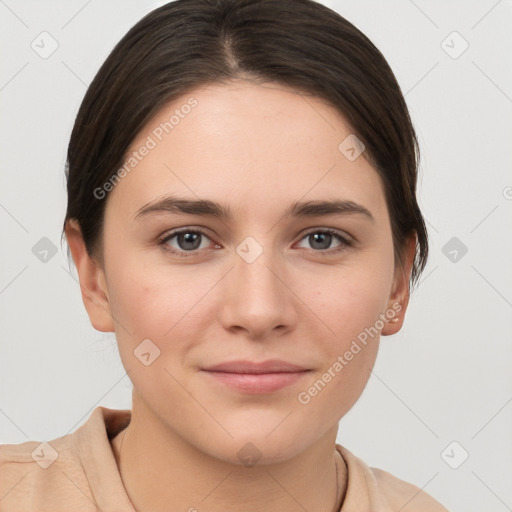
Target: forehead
(251,145)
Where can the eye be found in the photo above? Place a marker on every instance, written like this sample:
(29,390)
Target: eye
(188,242)
(184,241)
(321,241)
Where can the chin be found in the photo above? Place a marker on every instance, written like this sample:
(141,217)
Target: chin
(260,445)
(255,452)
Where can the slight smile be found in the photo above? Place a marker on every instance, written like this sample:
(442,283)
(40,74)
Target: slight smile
(256,378)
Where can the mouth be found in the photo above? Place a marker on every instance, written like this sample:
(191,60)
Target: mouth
(256,378)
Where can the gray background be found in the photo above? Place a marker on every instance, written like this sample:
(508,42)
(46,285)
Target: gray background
(445,377)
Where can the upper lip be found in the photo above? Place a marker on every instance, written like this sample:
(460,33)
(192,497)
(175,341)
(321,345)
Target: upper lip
(270,366)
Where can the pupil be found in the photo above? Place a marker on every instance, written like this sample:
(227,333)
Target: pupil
(324,237)
(188,238)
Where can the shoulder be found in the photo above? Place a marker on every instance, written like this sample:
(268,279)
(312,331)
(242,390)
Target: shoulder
(405,496)
(36,473)
(65,473)
(378,488)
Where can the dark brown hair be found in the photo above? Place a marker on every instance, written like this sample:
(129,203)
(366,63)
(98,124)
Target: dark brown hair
(298,43)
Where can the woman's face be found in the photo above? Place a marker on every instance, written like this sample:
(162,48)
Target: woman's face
(265,283)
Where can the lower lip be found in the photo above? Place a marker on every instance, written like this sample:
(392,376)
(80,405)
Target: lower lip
(257,383)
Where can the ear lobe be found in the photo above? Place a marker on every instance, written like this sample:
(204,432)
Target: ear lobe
(399,298)
(92,280)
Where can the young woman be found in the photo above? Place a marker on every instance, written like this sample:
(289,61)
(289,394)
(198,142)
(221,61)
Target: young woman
(242,214)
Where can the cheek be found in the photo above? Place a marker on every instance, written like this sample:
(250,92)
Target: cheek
(152,312)
(139,301)
(159,303)
(350,299)
(350,304)
(354,318)
(348,356)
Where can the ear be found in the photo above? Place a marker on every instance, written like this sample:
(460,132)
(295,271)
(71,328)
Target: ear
(92,280)
(399,298)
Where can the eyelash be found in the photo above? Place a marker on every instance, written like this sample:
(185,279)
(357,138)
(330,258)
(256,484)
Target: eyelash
(345,242)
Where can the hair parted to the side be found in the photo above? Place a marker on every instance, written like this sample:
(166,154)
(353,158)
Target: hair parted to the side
(299,43)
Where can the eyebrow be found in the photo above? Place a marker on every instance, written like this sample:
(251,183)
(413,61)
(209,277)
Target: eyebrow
(210,208)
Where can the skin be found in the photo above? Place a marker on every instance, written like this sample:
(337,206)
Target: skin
(256,149)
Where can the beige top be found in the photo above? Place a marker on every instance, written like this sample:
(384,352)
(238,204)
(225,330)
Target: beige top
(78,472)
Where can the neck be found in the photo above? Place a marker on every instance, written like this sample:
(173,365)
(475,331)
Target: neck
(158,467)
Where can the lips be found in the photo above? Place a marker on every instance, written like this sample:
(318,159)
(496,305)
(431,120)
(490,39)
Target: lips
(256,378)
(270,366)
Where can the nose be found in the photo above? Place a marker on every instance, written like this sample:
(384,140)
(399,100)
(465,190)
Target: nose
(257,300)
